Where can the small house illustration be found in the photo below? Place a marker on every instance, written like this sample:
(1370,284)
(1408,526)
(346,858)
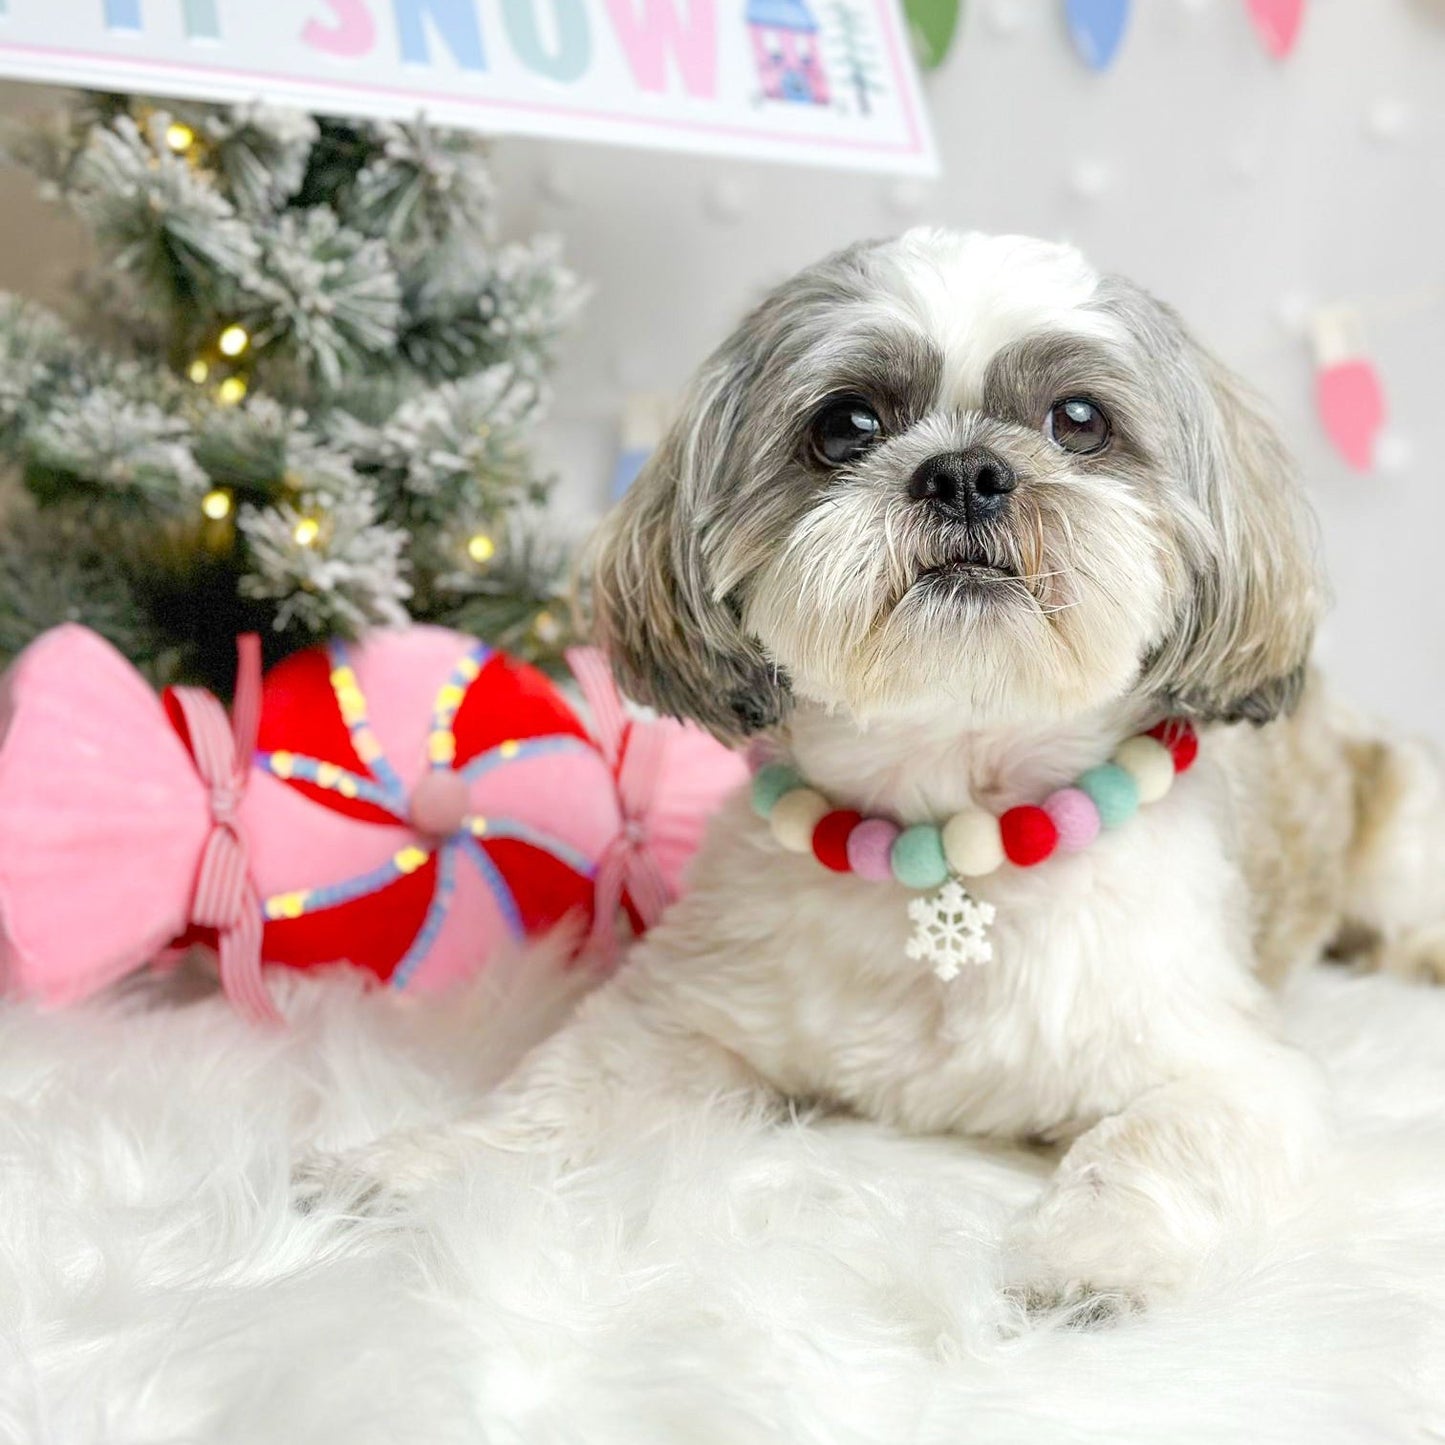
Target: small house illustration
(785,46)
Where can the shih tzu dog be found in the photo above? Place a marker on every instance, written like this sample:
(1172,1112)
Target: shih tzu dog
(948,520)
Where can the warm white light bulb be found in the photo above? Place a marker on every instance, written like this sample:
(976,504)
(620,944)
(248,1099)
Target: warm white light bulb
(233,340)
(217,504)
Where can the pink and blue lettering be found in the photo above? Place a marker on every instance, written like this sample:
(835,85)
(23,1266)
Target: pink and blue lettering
(786,48)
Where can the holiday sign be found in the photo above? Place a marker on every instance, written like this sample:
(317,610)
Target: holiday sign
(825,81)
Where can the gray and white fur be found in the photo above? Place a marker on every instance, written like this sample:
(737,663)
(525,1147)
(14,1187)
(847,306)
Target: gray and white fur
(1062,519)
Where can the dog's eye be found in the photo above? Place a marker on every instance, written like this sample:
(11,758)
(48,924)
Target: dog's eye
(1077,425)
(844,429)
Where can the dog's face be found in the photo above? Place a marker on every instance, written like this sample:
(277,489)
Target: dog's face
(959,474)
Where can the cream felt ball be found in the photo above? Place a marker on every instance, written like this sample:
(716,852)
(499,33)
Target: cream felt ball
(972,844)
(1150,764)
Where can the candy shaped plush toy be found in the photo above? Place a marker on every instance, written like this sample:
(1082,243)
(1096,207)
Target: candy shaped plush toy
(403,805)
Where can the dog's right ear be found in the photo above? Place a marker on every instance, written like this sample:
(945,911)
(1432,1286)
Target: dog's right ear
(674,642)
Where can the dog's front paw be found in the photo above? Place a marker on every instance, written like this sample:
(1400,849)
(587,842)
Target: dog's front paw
(376,1179)
(1075,1292)
(1074,1303)
(338,1183)
(1092,1253)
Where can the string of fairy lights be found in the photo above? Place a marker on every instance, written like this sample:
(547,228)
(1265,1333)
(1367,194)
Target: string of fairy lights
(232,344)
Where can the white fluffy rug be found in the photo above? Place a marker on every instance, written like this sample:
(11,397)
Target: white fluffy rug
(831,1283)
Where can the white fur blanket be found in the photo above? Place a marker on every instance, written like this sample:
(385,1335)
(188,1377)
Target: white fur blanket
(828,1283)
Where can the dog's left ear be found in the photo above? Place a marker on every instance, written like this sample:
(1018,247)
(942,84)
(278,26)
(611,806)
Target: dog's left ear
(673,640)
(1251,593)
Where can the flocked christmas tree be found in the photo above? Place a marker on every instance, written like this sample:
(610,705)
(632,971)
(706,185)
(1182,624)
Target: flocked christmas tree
(296,395)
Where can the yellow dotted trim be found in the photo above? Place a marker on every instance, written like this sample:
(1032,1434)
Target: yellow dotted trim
(408,860)
(510,748)
(283,764)
(441,747)
(287,905)
(349,697)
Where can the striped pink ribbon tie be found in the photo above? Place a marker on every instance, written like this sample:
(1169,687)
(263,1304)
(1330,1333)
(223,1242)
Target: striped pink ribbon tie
(225,897)
(634,752)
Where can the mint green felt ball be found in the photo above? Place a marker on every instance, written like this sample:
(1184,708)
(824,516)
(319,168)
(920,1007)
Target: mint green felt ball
(771,782)
(917,857)
(1113,791)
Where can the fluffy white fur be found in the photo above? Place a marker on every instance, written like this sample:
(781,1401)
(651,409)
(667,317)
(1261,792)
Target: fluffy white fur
(727,1281)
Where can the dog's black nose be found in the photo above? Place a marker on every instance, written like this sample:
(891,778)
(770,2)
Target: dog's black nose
(966,486)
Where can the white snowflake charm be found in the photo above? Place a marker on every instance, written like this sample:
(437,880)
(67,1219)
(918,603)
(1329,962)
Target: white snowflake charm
(950,929)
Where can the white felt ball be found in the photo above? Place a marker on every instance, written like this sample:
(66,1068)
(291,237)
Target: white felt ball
(1294,310)
(557,185)
(1089,179)
(1393,452)
(726,201)
(906,199)
(1150,764)
(1006,17)
(1246,162)
(794,817)
(972,843)
(1386,120)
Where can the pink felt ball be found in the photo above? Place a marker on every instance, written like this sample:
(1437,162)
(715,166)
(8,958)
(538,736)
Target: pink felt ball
(869,847)
(1075,816)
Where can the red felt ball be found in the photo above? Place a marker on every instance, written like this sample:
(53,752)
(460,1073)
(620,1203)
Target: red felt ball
(1178,735)
(1029,835)
(830,838)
